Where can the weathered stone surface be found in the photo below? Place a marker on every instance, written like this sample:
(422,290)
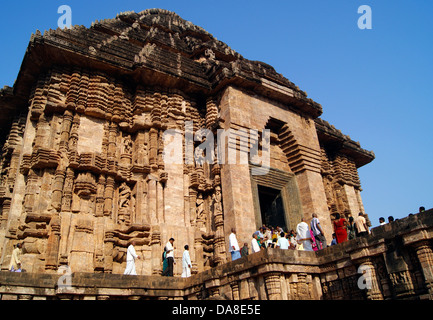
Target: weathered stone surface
(83,162)
(333,273)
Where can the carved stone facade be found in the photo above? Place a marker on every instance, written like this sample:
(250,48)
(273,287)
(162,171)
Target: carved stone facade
(393,262)
(83,163)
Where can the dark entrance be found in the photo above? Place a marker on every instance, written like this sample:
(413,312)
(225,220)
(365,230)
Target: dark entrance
(271,207)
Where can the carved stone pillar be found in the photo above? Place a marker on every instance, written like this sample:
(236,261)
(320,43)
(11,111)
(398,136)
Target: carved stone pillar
(155,245)
(373,291)
(72,94)
(56,199)
(65,129)
(220,252)
(153,148)
(99,212)
(273,286)
(254,294)
(235,289)
(425,256)
(198,264)
(108,251)
(112,135)
(52,253)
(67,190)
(31,189)
(42,132)
(192,206)
(108,196)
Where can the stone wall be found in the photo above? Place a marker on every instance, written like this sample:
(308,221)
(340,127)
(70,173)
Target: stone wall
(83,165)
(396,257)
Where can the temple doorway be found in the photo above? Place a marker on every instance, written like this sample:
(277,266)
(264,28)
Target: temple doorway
(271,207)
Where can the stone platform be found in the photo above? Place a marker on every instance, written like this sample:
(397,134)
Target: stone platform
(397,256)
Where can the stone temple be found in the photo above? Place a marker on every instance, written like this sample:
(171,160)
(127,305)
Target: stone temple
(84,172)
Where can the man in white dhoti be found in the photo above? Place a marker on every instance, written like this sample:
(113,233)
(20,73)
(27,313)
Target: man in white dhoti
(131,255)
(234,246)
(186,263)
(15,263)
(303,235)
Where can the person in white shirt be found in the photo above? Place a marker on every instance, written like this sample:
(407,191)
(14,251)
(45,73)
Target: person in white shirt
(303,235)
(234,246)
(186,263)
(318,232)
(282,242)
(15,264)
(131,255)
(169,249)
(254,244)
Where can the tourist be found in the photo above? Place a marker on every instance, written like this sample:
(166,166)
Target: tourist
(274,234)
(244,251)
(340,225)
(267,242)
(261,242)
(164,261)
(234,246)
(334,240)
(318,232)
(261,233)
(15,263)
(268,234)
(186,263)
(390,219)
(303,236)
(382,221)
(254,243)
(292,239)
(131,255)
(170,258)
(278,231)
(421,209)
(314,242)
(283,243)
(361,225)
(351,228)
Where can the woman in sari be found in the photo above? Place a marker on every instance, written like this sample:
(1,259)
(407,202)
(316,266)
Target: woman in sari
(351,229)
(164,261)
(340,228)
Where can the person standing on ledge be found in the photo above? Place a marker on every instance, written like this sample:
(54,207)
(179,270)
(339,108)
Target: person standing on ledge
(244,251)
(15,264)
(303,236)
(340,228)
(361,225)
(318,232)
(254,243)
(186,263)
(234,246)
(131,255)
(170,258)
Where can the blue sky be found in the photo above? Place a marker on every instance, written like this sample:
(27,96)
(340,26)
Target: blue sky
(374,85)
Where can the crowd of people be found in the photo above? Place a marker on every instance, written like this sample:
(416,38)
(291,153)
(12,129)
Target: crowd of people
(306,237)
